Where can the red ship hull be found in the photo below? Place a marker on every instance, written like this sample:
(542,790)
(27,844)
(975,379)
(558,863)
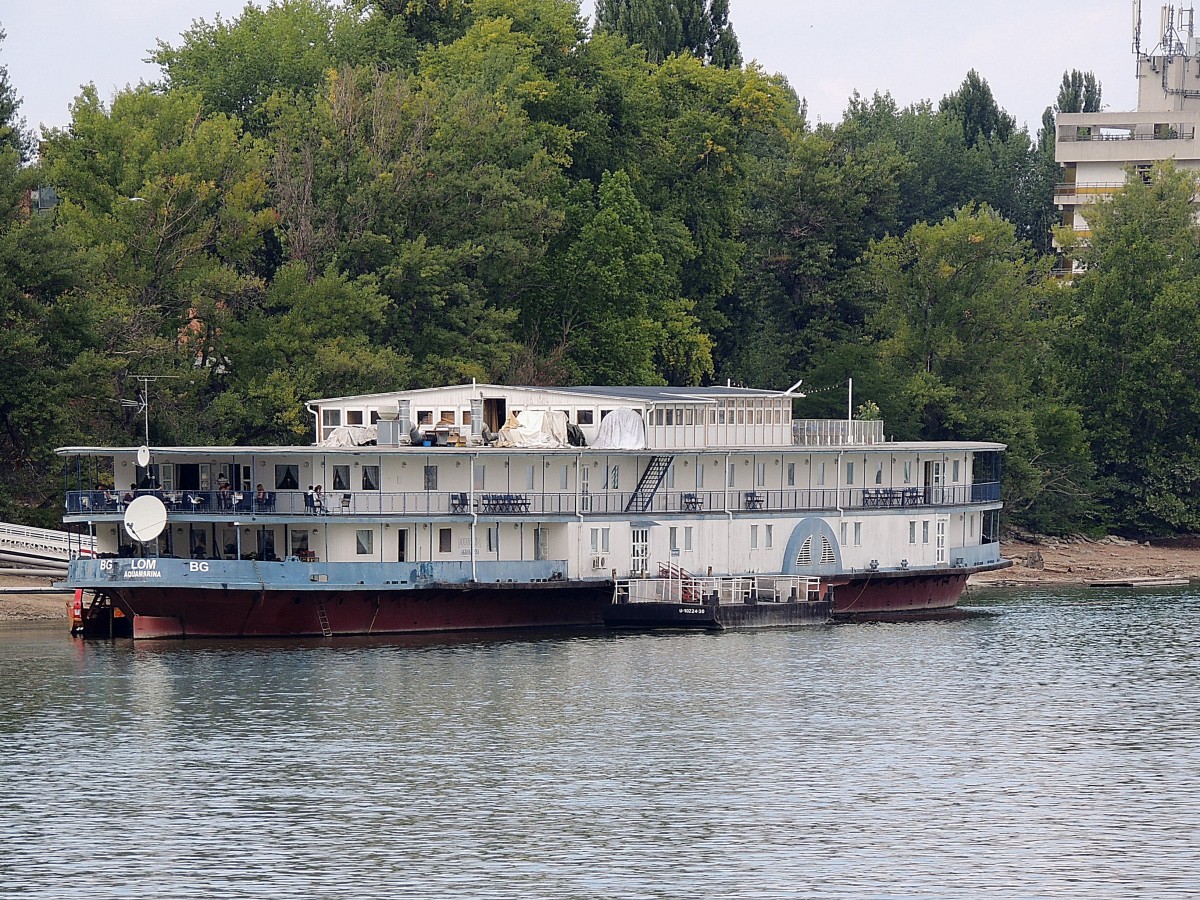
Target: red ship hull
(184,612)
(878,595)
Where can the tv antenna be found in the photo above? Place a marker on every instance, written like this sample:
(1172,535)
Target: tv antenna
(142,403)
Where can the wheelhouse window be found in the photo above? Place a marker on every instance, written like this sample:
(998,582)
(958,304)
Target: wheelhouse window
(583,417)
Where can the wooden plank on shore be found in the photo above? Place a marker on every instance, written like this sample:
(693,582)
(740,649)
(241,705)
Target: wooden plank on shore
(1150,581)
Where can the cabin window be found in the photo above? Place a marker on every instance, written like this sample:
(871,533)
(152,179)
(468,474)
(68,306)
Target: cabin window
(448,417)
(445,540)
(844,531)
(354,417)
(689,415)
(912,532)
(341,478)
(480,477)
(879,474)
(374,416)
(583,416)
(541,543)
(791,474)
(331,418)
(820,473)
(908,471)
(431,478)
(971,527)
(670,416)
(770,536)
(954,471)
(721,415)
(753,537)
(712,415)
(600,537)
(925,531)
(529,476)
(757,414)
(741,413)
(604,413)
(615,481)
(364,541)
(370,478)
(287,478)
(849,473)
(858,534)
(424,416)
(298,540)
(564,478)
(699,473)
(687,537)
(760,478)
(493,539)
(674,539)
(465,417)
(732,474)
(669,480)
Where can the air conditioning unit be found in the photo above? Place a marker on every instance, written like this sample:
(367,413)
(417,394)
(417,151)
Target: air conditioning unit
(599,562)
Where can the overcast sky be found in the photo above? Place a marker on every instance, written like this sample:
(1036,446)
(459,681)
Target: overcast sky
(916,49)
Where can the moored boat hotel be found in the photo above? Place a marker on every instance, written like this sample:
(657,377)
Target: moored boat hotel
(480,506)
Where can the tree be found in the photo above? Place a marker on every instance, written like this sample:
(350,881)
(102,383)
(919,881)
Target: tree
(977,110)
(1079,92)
(13,133)
(959,329)
(1133,356)
(666,27)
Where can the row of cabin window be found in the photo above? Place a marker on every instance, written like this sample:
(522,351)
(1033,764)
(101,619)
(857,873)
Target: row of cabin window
(287,478)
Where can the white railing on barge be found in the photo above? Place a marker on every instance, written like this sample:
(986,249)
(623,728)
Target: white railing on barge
(836,432)
(682,587)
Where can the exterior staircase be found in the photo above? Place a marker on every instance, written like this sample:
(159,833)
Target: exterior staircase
(647,486)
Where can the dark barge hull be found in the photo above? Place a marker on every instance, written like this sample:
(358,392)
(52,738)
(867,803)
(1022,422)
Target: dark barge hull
(179,612)
(714,617)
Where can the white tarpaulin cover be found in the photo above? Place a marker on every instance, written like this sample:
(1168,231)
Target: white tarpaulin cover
(351,436)
(534,428)
(621,429)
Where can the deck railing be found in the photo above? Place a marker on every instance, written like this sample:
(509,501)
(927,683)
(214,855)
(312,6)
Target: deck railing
(208,505)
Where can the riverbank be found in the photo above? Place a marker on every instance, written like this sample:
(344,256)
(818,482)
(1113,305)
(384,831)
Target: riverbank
(1078,560)
(19,607)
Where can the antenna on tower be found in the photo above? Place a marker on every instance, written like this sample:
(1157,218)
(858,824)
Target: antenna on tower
(1137,27)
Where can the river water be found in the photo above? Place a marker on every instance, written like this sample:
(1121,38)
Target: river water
(1047,745)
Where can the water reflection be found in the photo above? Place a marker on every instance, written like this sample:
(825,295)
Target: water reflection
(1044,748)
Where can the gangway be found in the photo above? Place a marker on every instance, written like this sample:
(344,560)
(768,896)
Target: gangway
(41,547)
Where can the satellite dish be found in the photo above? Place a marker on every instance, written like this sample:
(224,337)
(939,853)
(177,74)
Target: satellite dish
(145,518)
(143,456)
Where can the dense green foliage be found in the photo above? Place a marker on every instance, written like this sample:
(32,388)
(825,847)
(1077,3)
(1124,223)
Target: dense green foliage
(323,198)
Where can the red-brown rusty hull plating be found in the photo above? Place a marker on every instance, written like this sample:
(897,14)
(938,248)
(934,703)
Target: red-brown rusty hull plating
(191,612)
(875,595)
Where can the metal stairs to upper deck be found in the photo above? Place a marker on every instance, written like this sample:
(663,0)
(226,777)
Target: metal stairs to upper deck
(647,486)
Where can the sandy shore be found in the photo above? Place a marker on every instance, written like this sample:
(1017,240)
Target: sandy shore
(1035,561)
(30,607)
(1083,561)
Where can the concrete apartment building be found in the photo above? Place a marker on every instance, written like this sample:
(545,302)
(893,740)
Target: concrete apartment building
(1097,149)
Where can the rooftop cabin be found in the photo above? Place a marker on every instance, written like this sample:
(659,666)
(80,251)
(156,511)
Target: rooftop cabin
(713,418)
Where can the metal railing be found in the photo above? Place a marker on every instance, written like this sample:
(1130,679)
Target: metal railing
(208,505)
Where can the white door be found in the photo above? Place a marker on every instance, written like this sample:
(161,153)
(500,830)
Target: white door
(942,522)
(640,550)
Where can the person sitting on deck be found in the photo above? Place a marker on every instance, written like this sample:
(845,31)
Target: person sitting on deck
(128,496)
(260,495)
(319,498)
